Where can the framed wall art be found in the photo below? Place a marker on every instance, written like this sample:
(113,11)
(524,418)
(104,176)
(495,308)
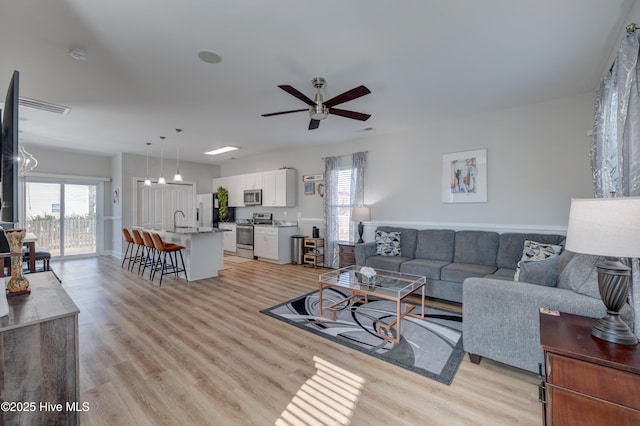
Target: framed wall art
(464,177)
(309,188)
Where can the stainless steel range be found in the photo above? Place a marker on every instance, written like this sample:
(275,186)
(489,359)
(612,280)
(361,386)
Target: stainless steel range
(244,233)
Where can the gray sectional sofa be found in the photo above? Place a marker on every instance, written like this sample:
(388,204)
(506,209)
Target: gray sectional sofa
(448,257)
(476,268)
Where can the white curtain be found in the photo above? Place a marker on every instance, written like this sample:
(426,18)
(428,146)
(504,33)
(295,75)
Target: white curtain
(331,165)
(615,151)
(358,164)
(332,205)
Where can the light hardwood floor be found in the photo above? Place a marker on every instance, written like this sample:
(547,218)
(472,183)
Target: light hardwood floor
(202,353)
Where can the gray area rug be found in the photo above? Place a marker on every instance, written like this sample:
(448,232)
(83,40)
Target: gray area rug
(431,346)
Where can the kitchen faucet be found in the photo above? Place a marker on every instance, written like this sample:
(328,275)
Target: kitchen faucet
(174,217)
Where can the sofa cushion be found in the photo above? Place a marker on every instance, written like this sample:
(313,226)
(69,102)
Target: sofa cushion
(388,263)
(458,272)
(407,241)
(534,251)
(502,274)
(428,268)
(541,272)
(476,247)
(511,243)
(581,275)
(435,244)
(388,243)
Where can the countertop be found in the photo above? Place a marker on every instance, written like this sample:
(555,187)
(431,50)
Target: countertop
(190,229)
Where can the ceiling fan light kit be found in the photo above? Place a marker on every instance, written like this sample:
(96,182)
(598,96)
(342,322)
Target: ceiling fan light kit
(319,110)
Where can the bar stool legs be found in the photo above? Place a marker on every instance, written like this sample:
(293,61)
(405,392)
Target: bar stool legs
(128,252)
(168,248)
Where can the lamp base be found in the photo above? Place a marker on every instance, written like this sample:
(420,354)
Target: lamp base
(360,232)
(613,283)
(612,329)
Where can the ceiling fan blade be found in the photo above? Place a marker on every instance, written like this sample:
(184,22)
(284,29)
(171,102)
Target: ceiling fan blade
(349,114)
(295,92)
(313,124)
(284,112)
(347,96)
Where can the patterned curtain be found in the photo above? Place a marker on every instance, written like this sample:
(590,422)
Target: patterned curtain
(358,164)
(615,150)
(331,165)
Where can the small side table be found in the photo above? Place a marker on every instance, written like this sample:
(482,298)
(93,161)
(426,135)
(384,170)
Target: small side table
(313,251)
(588,381)
(346,253)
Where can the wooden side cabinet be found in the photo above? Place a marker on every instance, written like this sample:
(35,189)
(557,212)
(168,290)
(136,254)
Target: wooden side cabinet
(346,254)
(313,251)
(588,381)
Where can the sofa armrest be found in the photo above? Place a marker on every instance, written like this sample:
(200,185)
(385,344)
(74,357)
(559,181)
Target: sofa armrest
(501,318)
(363,251)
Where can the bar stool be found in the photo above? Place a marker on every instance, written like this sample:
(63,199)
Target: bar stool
(41,253)
(164,249)
(129,250)
(137,258)
(149,254)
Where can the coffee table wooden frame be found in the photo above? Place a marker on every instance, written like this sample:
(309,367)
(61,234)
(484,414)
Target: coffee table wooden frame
(362,293)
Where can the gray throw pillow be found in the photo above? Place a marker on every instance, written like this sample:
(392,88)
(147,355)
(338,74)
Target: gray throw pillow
(534,251)
(581,276)
(541,272)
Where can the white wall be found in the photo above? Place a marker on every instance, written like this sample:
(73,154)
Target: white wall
(538,158)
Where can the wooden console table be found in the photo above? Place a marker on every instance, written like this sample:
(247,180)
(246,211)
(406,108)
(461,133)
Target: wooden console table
(588,381)
(39,355)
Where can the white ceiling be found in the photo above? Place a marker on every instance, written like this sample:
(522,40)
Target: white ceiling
(422,60)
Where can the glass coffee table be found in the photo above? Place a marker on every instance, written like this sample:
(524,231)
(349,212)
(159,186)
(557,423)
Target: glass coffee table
(389,285)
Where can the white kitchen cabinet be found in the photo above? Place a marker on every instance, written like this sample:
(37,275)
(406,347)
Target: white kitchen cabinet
(252,181)
(279,188)
(272,243)
(229,243)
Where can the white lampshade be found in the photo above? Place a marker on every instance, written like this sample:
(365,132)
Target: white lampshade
(360,214)
(605,227)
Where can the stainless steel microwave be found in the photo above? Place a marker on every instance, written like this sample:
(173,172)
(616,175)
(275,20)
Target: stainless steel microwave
(253,197)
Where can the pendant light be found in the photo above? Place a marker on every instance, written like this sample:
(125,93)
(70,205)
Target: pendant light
(177,177)
(147,181)
(161,179)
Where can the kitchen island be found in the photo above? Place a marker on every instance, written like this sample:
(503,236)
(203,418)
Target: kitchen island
(204,252)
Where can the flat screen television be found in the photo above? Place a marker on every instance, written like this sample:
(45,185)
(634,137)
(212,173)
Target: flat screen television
(9,153)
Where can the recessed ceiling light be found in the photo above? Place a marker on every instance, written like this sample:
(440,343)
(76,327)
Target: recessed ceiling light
(209,57)
(78,54)
(221,150)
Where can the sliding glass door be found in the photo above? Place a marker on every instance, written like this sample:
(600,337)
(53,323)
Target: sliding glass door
(63,216)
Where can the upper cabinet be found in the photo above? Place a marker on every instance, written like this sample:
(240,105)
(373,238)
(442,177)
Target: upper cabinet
(234,186)
(278,187)
(253,181)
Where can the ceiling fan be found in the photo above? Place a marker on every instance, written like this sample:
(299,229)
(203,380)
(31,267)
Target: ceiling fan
(318,110)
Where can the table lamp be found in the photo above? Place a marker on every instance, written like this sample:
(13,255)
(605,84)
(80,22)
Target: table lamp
(608,227)
(360,214)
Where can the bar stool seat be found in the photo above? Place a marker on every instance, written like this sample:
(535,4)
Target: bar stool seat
(164,249)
